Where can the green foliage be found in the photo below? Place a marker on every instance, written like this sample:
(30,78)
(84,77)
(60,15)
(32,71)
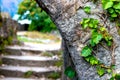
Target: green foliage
(86,51)
(87,9)
(96,37)
(115,77)
(112,7)
(28,74)
(4,42)
(89,23)
(100,71)
(109,71)
(92,60)
(54,75)
(59,63)
(40,20)
(69,72)
(98,34)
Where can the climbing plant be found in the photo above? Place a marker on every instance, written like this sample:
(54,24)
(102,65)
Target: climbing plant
(99,36)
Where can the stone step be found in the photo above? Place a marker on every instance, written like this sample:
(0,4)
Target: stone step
(20,71)
(31,61)
(14,78)
(22,50)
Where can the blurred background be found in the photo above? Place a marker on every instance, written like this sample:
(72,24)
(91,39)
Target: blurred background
(30,44)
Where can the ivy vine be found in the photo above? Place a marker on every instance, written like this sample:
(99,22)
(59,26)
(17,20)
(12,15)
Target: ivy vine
(112,7)
(99,35)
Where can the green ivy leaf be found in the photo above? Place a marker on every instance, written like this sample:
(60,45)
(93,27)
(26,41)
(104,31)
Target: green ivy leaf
(87,9)
(109,70)
(117,6)
(96,37)
(117,11)
(93,23)
(111,10)
(112,78)
(109,43)
(100,71)
(69,72)
(86,51)
(114,15)
(85,22)
(85,26)
(92,43)
(108,5)
(93,60)
(117,77)
(102,29)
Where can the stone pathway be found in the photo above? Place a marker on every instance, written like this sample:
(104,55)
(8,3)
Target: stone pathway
(30,62)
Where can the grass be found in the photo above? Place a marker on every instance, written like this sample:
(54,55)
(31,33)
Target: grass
(28,74)
(37,37)
(25,39)
(54,75)
(47,54)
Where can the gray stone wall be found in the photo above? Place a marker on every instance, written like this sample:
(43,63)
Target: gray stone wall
(67,15)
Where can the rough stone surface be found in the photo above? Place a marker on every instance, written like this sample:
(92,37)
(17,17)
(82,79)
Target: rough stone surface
(29,61)
(67,14)
(19,71)
(9,30)
(31,48)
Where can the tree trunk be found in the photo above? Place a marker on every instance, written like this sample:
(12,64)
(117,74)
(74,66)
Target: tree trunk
(67,15)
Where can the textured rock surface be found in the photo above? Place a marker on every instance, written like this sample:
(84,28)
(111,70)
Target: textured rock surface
(8,30)
(67,14)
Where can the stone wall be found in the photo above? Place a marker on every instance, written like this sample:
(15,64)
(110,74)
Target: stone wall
(8,31)
(67,15)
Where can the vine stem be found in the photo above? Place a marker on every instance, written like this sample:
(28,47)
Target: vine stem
(114,46)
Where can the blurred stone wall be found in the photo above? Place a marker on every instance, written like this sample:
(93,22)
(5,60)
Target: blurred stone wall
(8,29)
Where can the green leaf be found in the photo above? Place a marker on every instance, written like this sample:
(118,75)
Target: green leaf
(92,43)
(100,71)
(84,26)
(117,6)
(114,15)
(108,5)
(109,70)
(87,59)
(86,51)
(112,78)
(84,23)
(108,38)
(96,37)
(69,72)
(109,43)
(102,29)
(86,20)
(93,23)
(117,77)
(92,60)
(111,10)
(87,9)
(117,11)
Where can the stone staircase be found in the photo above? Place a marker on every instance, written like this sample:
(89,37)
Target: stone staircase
(31,62)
